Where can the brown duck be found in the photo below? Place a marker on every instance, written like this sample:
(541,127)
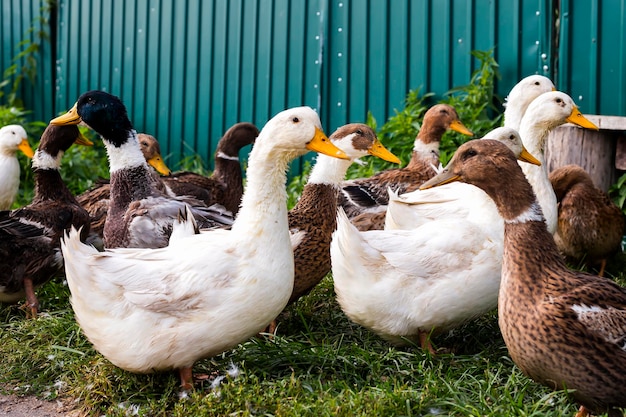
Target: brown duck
(590,226)
(565,329)
(225,185)
(30,253)
(315,213)
(370,195)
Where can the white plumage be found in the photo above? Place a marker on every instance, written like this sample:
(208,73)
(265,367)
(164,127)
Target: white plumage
(12,139)
(159,309)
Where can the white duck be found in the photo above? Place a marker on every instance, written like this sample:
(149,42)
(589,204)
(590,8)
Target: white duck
(520,97)
(407,283)
(546,112)
(412,209)
(158,309)
(12,139)
(456,200)
(415,282)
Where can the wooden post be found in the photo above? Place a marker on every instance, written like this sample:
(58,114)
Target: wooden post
(601,153)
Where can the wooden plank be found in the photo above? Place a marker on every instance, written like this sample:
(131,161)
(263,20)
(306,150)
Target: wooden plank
(592,150)
(606,122)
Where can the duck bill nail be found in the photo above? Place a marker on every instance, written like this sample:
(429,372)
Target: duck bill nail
(444,177)
(69,118)
(320,143)
(82,140)
(527,157)
(577,118)
(157,163)
(457,126)
(24,146)
(380,151)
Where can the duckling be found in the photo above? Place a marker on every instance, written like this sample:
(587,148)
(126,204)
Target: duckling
(29,236)
(12,139)
(139,213)
(590,225)
(225,185)
(207,292)
(370,194)
(315,212)
(564,329)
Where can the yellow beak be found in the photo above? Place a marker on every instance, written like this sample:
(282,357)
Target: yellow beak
(457,126)
(24,146)
(527,157)
(69,118)
(157,163)
(377,149)
(578,119)
(320,143)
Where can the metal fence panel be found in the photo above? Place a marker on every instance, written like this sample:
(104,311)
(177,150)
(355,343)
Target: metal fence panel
(189,70)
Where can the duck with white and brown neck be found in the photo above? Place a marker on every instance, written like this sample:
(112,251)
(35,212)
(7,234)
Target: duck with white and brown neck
(370,195)
(565,329)
(139,214)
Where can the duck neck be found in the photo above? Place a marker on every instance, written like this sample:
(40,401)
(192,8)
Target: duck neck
(50,186)
(534,138)
(48,182)
(513,114)
(228,171)
(526,240)
(424,153)
(328,170)
(264,201)
(130,177)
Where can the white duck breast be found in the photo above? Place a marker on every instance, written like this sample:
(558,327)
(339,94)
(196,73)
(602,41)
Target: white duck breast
(12,139)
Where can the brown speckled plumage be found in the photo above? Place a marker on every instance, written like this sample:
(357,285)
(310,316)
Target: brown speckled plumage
(225,185)
(563,328)
(29,236)
(590,225)
(371,194)
(315,213)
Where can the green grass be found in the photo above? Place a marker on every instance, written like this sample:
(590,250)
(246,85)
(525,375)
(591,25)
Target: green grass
(319,364)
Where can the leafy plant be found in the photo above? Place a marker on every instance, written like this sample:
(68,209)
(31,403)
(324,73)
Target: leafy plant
(398,134)
(24,63)
(476,103)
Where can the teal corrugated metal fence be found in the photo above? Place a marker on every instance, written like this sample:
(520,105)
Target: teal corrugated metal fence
(188,70)
(21,27)
(592,59)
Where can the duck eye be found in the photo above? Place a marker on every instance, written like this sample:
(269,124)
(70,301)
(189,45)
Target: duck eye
(558,100)
(295,120)
(537,83)
(469,153)
(359,132)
